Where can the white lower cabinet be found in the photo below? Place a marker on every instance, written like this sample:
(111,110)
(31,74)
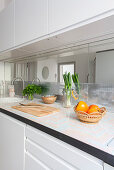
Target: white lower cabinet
(23,147)
(11,143)
(33,164)
(46,151)
(108,167)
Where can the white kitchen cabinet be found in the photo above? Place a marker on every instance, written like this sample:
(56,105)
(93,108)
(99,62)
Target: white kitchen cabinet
(55,154)
(11,143)
(66,13)
(34,164)
(7,27)
(108,167)
(31,18)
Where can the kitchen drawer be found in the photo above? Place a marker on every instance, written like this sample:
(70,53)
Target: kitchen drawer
(66,152)
(49,159)
(108,167)
(31,163)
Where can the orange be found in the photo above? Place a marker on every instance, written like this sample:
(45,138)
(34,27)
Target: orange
(93,106)
(82,106)
(93,110)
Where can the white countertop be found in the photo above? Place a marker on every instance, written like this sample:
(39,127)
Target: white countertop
(98,135)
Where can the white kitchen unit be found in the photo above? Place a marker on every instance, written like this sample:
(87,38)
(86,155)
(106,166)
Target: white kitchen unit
(108,167)
(31,20)
(24,22)
(11,143)
(45,152)
(66,13)
(7,27)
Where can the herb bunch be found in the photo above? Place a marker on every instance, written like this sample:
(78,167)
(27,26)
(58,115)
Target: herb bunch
(32,89)
(67,81)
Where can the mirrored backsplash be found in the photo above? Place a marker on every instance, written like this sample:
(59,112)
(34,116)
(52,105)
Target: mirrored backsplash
(93,62)
(100,94)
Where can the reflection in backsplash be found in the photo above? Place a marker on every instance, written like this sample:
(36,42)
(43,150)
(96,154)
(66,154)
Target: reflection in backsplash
(100,94)
(90,61)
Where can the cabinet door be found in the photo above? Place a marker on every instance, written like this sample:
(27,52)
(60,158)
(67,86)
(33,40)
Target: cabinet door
(7,27)
(47,158)
(11,144)
(64,13)
(56,154)
(108,167)
(30,20)
(31,163)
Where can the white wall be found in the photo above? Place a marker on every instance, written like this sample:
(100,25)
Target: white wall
(81,65)
(52,65)
(105,67)
(26,70)
(8,72)
(5,71)
(32,71)
(1,71)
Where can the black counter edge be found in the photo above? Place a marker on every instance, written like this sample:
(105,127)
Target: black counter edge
(104,156)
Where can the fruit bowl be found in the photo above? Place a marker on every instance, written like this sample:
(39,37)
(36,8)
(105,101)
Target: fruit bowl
(49,99)
(90,118)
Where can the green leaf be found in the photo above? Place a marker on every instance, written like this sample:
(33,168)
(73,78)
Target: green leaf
(32,89)
(67,81)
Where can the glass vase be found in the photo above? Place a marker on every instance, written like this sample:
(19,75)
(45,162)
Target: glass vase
(67,98)
(30,97)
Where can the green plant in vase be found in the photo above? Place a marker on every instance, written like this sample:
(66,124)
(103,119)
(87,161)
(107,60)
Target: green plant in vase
(67,90)
(32,89)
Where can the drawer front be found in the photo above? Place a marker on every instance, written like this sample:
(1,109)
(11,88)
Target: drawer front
(66,152)
(49,159)
(108,167)
(31,163)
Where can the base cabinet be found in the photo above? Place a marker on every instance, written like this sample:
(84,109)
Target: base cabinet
(11,143)
(54,154)
(23,147)
(33,164)
(108,167)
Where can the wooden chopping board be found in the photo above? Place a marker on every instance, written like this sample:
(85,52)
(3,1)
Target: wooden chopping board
(36,109)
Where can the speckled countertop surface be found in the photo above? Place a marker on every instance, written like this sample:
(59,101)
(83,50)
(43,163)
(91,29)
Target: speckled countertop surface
(97,135)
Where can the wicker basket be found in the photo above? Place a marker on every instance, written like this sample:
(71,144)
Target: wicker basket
(90,118)
(49,99)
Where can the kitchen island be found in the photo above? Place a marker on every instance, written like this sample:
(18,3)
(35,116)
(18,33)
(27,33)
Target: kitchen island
(93,141)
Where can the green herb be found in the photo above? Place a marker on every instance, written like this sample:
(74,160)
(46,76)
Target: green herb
(32,89)
(68,86)
(76,82)
(67,81)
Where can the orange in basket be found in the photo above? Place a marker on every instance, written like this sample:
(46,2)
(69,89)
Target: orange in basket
(92,115)
(82,106)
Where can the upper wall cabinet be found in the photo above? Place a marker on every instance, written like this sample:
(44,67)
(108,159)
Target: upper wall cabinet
(7,27)
(64,13)
(31,18)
